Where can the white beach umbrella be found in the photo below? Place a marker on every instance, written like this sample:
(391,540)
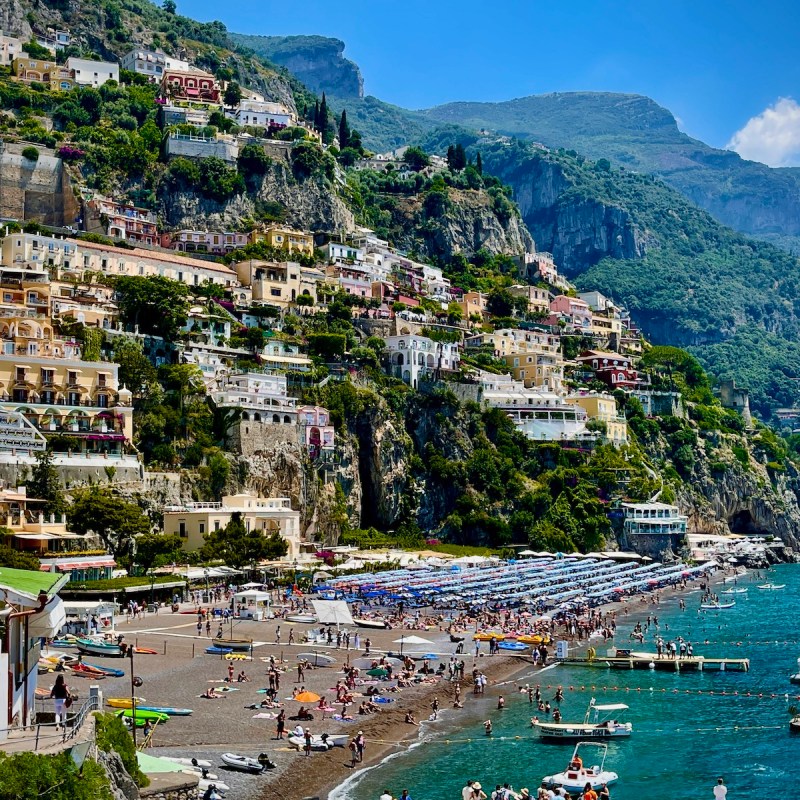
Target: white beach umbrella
(411,640)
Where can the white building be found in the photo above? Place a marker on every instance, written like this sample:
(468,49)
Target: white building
(10,48)
(412,358)
(340,253)
(260,114)
(176,65)
(263,397)
(654,519)
(92,73)
(145,62)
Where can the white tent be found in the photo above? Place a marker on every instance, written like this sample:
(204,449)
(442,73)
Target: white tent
(255,603)
(332,612)
(252,595)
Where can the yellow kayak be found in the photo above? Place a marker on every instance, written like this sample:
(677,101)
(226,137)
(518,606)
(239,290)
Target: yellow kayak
(527,639)
(123,702)
(487,636)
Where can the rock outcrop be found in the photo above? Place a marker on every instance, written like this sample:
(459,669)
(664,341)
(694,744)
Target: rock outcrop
(317,61)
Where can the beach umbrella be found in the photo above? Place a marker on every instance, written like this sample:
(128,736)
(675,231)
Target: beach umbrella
(378,672)
(307,697)
(403,640)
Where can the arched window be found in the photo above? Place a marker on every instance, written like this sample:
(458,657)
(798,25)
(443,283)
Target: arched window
(256,417)
(287,419)
(276,418)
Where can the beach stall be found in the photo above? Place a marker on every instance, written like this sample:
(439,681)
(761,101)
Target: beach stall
(89,616)
(254,604)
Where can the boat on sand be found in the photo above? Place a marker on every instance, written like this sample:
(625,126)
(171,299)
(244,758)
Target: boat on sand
(247,764)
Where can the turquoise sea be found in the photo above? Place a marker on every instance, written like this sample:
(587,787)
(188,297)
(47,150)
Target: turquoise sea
(682,740)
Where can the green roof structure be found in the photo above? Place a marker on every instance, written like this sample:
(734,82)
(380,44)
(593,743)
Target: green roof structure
(23,585)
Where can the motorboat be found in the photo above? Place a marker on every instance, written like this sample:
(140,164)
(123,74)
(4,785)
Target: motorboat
(575,777)
(317,742)
(742,590)
(772,586)
(796,677)
(304,619)
(794,724)
(93,648)
(378,624)
(717,606)
(247,764)
(206,783)
(597,724)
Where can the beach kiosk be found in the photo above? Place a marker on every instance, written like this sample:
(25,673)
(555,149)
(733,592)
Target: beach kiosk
(254,604)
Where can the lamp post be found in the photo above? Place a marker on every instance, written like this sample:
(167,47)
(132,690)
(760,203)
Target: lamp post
(134,681)
(151,573)
(205,574)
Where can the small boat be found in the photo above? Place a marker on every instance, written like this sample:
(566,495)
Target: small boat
(597,724)
(192,762)
(145,651)
(533,639)
(718,606)
(316,659)
(370,623)
(218,651)
(487,636)
(141,714)
(92,648)
(237,645)
(735,591)
(772,586)
(169,711)
(123,702)
(67,641)
(794,724)
(242,763)
(317,743)
(305,619)
(517,647)
(575,777)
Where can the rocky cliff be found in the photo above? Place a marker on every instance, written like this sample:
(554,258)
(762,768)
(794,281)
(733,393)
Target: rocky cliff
(309,204)
(317,61)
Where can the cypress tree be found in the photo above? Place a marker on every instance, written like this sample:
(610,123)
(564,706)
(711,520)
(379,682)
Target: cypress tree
(316,115)
(344,131)
(323,117)
(479,164)
(459,156)
(451,157)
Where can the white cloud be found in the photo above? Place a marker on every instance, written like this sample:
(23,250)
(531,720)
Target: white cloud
(772,137)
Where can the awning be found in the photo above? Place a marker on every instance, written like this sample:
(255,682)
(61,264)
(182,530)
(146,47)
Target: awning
(37,536)
(50,621)
(192,92)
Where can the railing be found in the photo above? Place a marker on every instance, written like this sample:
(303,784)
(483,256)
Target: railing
(47,734)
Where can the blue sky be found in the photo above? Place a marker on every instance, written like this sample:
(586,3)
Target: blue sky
(721,66)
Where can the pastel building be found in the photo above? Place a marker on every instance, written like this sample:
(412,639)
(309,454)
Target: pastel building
(86,72)
(603,407)
(613,369)
(574,309)
(282,238)
(268,515)
(10,48)
(151,63)
(317,432)
(124,220)
(190,85)
(35,70)
(214,242)
(538,299)
(262,397)
(260,114)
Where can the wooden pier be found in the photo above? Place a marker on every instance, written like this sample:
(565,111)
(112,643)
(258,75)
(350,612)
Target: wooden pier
(652,661)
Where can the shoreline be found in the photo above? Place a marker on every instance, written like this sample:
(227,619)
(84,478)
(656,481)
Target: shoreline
(388,734)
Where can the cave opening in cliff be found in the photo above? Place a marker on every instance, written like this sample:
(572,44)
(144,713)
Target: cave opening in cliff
(743,522)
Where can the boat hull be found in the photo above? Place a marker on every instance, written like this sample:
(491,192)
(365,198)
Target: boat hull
(102,650)
(141,714)
(170,712)
(237,645)
(303,619)
(241,763)
(574,782)
(582,733)
(377,624)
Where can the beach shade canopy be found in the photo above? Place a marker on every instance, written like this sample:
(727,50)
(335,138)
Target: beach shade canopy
(332,612)
(527,553)
(307,697)
(378,672)
(404,640)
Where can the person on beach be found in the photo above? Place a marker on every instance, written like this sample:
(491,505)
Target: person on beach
(387,795)
(501,703)
(487,727)
(280,725)
(230,673)
(720,790)
(307,737)
(411,720)
(360,745)
(60,695)
(466,792)
(477,792)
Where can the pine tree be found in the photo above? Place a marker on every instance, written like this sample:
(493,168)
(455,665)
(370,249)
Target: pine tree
(479,164)
(344,131)
(316,115)
(323,117)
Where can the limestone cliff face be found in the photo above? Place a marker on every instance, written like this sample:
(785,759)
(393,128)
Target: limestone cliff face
(468,223)
(578,231)
(311,205)
(317,61)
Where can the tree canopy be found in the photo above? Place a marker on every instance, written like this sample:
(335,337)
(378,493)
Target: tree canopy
(237,547)
(157,305)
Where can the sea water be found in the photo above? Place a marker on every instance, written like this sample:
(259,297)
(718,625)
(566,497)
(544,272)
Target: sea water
(689,728)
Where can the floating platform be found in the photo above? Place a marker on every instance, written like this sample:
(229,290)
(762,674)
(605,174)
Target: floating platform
(644,660)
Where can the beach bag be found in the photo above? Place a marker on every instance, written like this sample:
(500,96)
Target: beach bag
(68,701)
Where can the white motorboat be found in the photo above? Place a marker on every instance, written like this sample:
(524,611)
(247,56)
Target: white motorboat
(597,724)
(317,742)
(378,624)
(735,591)
(772,586)
(575,777)
(718,606)
(305,619)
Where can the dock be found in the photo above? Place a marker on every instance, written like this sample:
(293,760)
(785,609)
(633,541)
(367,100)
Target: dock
(636,660)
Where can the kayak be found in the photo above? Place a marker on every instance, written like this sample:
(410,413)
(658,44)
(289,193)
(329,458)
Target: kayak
(218,651)
(145,651)
(141,714)
(237,657)
(170,712)
(517,647)
(123,702)
(114,673)
(487,636)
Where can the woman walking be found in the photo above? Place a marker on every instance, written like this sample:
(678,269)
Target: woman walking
(62,699)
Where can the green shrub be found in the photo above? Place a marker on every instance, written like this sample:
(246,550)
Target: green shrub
(111,734)
(31,153)
(742,456)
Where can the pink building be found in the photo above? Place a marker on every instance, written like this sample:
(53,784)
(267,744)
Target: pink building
(352,279)
(123,220)
(317,431)
(575,309)
(213,242)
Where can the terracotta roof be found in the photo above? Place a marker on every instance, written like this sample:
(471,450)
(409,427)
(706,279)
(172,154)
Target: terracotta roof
(176,261)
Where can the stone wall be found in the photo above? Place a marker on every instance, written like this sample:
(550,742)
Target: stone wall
(200,148)
(171,786)
(247,437)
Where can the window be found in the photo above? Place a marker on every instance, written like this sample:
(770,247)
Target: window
(20,374)
(182,528)
(202,527)
(216,524)
(47,376)
(72,377)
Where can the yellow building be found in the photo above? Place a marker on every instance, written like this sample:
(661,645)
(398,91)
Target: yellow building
(538,298)
(606,326)
(280,284)
(193,521)
(285,239)
(603,407)
(36,70)
(473,303)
